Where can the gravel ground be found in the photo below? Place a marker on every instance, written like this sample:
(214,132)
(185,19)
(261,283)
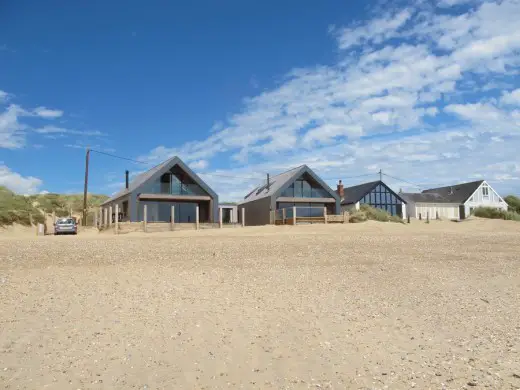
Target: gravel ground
(365,306)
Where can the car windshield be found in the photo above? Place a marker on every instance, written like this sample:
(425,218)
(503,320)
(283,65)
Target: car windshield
(65,221)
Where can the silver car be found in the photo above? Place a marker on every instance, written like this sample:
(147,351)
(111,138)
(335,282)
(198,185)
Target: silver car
(65,226)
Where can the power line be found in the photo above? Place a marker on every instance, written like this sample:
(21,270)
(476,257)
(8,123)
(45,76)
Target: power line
(120,157)
(402,180)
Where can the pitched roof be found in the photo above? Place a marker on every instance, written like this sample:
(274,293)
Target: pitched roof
(278,182)
(425,198)
(458,193)
(275,183)
(355,193)
(145,176)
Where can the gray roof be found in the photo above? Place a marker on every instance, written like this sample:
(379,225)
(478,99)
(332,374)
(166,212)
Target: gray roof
(355,193)
(457,193)
(279,182)
(145,176)
(425,198)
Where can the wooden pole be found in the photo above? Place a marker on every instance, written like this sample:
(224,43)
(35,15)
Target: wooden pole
(243,216)
(197,217)
(220,217)
(294,215)
(325,214)
(54,217)
(85,189)
(117,219)
(105,217)
(95,218)
(145,217)
(283,216)
(172,222)
(110,216)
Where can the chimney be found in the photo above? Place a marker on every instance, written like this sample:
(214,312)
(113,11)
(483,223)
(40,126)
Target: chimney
(451,191)
(268,182)
(126,179)
(340,190)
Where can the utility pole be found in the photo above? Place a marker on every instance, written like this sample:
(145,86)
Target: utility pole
(380,175)
(85,190)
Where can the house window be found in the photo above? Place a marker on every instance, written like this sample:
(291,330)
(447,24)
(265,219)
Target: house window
(485,190)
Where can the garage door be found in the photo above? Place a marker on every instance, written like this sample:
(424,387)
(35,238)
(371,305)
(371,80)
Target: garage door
(444,212)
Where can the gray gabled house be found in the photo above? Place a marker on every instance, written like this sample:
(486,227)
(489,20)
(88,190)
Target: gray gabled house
(299,187)
(171,183)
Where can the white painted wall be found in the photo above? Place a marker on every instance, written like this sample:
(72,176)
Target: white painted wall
(445,210)
(479,199)
(350,207)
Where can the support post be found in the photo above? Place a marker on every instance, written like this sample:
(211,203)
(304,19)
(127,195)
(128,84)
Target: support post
(117,219)
(420,217)
(408,219)
(172,217)
(95,218)
(325,214)
(54,217)
(436,215)
(294,215)
(105,217)
(243,216)
(197,217)
(100,218)
(283,216)
(145,217)
(110,216)
(428,216)
(220,217)
(345,217)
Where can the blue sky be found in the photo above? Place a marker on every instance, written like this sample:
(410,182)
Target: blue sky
(426,91)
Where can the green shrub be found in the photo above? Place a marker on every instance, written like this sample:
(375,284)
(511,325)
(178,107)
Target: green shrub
(492,213)
(375,214)
(357,216)
(17,209)
(513,202)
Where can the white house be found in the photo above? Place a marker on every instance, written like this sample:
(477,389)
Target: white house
(453,202)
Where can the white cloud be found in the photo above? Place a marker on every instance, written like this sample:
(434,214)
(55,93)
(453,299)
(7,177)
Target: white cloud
(397,75)
(12,135)
(376,30)
(451,3)
(62,130)
(200,164)
(3,96)
(43,112)
(512,98)
(18,183)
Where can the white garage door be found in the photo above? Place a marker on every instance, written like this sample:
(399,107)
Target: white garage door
(447,211)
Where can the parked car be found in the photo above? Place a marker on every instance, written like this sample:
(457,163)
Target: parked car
(65,226)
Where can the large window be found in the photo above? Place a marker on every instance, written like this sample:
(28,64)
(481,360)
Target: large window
(174,182)
(382,198)
(305,189)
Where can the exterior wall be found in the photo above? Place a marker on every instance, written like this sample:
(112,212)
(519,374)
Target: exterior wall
(479,200)
(234,211)
(118,202)
(445,210)
(257,212)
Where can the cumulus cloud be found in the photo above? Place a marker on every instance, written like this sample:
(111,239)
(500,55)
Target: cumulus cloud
(61,130)
(12,134)
(43,112)
(17,183)
(418,70)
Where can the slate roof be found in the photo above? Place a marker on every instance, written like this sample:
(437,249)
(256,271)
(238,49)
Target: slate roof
(425,198)
(276,183)
(355,193)
(145,176)
(458,193)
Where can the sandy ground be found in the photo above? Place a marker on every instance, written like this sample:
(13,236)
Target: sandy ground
(364,306)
